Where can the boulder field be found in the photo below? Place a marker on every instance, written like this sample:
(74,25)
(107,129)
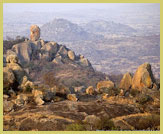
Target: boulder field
(47,87)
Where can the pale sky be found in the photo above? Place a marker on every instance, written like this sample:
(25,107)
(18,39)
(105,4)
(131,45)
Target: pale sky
(49,7)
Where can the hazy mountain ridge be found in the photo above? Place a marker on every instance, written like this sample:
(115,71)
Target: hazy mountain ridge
(64,30)
(108,27)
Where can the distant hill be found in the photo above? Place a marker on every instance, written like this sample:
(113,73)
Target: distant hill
(110,27)
(64,30)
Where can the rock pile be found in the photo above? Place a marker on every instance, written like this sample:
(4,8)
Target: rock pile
(14,74)
(143,78)
(39,49)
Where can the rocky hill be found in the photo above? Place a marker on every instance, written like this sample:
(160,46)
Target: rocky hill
(70,69)
(47,87)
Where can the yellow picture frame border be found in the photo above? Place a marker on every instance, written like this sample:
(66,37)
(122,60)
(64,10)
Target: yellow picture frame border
(77,1)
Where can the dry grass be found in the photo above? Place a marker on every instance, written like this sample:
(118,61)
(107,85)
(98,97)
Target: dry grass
(119,100)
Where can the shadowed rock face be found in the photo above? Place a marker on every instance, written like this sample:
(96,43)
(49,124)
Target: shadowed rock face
(23,51)
(35,33)
(126,81)
(8,77)
(143,78)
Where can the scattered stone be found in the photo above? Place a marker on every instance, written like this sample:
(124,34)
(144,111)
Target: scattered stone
(90,90)
(57,60)
(8,106)
(21,100)
(126,81)
(12,59)
(80,89)
(38,97)
(37,93)
(72,97)
(105,96)
(39,101)
(143,78)
(22,97)
(71,55)
(45,95)
(121,92)
(104,84)
(85,62)
(35,33)
(5,97)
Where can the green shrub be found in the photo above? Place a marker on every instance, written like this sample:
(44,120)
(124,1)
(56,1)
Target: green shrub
(151,122)
(142,99)
(28,89)
(75,127)
(105,124)
(134,92)
(110,91)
